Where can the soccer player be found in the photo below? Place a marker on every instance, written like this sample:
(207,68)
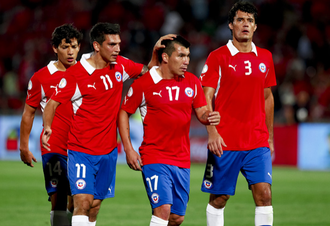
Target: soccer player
(66,41)
(94,87)
(239,76)
(166,96)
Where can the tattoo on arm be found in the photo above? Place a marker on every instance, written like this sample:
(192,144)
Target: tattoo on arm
(204,116)
(144,69)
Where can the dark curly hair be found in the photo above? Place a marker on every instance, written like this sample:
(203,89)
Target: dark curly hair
(243,6)
(101,29)
(67,32)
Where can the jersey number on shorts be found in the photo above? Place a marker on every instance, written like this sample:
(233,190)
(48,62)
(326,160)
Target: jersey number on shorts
(56,169)
(209,171)
(177,91)
(154,177)
(79,167)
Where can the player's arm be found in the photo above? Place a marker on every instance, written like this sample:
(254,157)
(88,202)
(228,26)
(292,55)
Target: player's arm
(269,109)
(207,117)
(132,157)
(48,116)
(25,130)
(215,141)
(154,58)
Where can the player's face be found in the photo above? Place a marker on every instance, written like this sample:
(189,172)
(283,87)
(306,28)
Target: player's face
(110,48)
(179,60)
(67,52)
(243,26)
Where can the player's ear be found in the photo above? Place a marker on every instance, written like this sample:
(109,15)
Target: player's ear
(230,25)
(54,49)
(255,28)
(165,57)
(96,46)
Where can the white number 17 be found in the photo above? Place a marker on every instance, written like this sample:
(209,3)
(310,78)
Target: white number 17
(154,177)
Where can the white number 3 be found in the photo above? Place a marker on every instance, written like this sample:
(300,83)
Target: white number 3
(248,67)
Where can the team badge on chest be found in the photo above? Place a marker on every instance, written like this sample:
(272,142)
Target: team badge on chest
(119,76)
(189,92)
(262,67)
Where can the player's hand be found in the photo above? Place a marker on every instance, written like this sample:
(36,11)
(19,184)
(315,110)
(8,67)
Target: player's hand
(134,160)
(215,143)
(27,157)
(159,45)
(214,118)
(45,137)
(271,147)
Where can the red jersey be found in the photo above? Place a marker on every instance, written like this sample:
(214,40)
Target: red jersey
(95,95)
(239,80)
(41,87)
(166,106)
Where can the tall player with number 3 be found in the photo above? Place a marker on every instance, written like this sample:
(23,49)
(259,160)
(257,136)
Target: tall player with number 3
(166,96)
(239,76)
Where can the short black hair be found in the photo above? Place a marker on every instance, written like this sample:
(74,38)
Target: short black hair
(67,32)
(243,6)
(101,29)
(169,46)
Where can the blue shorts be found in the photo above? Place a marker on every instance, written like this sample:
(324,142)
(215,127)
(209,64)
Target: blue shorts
(221,174)
(92,174)
(55,173)
(167,184)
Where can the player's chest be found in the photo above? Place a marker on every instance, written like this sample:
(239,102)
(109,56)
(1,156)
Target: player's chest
(49,85)
(171,93)
(243,69)
(101,84)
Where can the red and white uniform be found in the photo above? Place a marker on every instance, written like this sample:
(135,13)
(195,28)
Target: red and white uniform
(41,87)
(239,80)
(166,106)
(95,95)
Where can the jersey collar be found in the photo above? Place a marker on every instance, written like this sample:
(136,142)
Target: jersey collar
(233,50)
(89,68)
(154,75)
(51,67)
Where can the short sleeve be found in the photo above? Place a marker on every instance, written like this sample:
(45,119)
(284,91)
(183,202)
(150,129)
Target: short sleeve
(270,78)
(211,71)
(33,97)
(133,98)
(131,68)
(199,99)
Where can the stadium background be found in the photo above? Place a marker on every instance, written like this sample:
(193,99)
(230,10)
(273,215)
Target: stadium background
(297,32)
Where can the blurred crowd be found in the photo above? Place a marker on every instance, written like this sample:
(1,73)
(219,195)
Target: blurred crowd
(297,32)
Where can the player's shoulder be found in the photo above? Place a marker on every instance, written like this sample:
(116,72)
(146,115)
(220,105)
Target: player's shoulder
(263,51)
(74,69)
(42,72)
(124,61)
(190,76)
(145,79)
(221,50)
(121,59)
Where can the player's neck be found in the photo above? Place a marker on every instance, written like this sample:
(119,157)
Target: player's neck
(164,73)
(60,66)
(243,46)
(97,61)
